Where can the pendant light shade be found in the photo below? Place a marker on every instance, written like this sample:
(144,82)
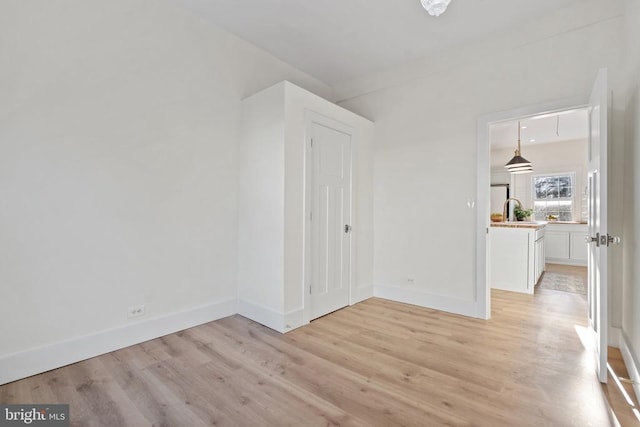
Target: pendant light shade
(519,164)
(435,7)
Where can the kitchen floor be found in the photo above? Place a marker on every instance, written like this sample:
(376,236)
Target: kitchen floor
(565,278)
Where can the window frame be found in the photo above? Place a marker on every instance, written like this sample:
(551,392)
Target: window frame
(572,199)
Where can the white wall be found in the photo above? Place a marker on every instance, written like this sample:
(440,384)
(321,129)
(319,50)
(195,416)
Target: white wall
(425,144)
(119,124)
(557,157)
(631,234)
(261,224)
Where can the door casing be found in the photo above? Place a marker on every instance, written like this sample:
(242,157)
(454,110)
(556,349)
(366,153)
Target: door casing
(483,288)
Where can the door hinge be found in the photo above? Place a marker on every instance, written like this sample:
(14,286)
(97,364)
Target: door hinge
(311,142)
(310,216)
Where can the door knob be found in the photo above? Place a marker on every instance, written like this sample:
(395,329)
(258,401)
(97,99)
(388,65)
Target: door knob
(603,240)
(595,239)
(611,240)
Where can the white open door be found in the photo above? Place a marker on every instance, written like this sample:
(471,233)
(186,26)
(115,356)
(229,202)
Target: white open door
(598,238)
(330,218)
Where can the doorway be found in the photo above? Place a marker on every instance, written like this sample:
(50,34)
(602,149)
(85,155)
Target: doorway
(507,122)
(555,193)
(598,105)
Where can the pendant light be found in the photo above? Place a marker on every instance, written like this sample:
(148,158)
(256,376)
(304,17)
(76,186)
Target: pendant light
(435,7)
(519,164)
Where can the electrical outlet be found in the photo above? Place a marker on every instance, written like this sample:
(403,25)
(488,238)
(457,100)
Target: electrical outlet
(135,311)
(411,280)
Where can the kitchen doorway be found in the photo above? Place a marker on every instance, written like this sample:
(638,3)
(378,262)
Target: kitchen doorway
(598,239)
(505,125)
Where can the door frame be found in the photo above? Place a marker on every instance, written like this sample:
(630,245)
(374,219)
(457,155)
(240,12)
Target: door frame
(483,288)
(311,117)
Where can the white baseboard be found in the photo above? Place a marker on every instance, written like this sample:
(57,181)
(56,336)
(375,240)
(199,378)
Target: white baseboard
(294,319)
(264,315)
(361,294)
(424,299)
(41,359)
(630,362)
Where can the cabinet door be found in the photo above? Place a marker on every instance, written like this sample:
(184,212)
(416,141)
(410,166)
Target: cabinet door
(557,244)
(536,262)
(578,249)
(540,260)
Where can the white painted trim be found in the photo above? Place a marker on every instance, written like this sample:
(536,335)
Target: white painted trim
(630,362)
(424,299)
(276,320)
(25,363)
(360,294)
(294,319)
(483,166)
(483,288)
(264,315)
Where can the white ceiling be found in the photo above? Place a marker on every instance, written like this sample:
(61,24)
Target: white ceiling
(543,129)
(338,40)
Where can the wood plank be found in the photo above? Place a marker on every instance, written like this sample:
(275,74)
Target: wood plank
(375,363)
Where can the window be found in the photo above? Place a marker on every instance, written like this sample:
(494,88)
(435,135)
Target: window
(553,195)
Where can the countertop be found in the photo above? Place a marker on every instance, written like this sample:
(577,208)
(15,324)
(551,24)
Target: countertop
(520,224)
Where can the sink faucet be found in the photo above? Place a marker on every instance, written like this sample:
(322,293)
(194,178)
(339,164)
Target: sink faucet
(504,207)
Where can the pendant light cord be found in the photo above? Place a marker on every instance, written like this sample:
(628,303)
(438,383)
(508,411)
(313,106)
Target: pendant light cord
(518,152)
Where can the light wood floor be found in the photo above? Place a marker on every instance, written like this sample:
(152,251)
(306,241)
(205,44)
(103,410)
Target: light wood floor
(378,363)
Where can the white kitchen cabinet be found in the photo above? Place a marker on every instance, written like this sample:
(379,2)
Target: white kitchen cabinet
(578,246)
(557,244)
(540,259)
(517,257)
(565,243)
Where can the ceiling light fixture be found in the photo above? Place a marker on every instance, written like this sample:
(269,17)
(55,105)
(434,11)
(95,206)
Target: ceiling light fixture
(519,164)
(435,7)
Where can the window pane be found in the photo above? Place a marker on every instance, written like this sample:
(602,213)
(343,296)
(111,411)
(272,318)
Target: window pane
(564,205)
(564,216)
(546,187)
(553,195)
(564,186)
